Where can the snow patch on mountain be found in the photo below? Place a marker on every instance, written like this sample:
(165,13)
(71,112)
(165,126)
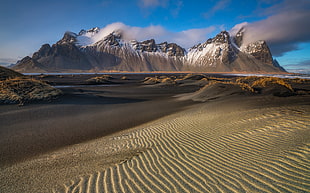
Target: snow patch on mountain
(213,51)
(85,37)
(204,52)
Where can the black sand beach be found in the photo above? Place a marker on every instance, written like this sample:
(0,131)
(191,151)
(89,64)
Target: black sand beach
(84,112)
(42,138)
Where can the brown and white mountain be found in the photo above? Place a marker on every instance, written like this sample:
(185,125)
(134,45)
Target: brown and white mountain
(80,53)
(224,53)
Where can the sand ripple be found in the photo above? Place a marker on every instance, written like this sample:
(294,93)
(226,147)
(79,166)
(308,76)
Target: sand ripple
(265,150)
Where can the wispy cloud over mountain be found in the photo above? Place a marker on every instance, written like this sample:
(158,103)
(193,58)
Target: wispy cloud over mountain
(186,38)
(284,30)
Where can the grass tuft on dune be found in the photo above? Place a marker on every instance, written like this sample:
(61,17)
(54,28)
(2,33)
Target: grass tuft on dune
(20,90)
(6,73)
(261,82)
(222,87)
(100,79)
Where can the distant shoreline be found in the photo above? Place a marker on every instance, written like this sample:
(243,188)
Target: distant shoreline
(279,75)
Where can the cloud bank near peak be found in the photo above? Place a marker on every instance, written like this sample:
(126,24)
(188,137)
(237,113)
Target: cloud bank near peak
(283,30)
(186,38)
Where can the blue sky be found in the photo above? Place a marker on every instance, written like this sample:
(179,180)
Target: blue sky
(284,24)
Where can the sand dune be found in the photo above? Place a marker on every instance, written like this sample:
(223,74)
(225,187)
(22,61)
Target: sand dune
(267,150)
(139,138)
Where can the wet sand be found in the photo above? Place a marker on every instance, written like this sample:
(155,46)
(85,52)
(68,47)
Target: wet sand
(142,138)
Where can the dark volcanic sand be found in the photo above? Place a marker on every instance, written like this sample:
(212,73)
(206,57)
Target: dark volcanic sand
(86,140)
(83,113)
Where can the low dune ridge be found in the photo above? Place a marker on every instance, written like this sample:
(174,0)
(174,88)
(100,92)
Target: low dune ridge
(100,79)
(181,80)
(21,90)
(6,73)
(160,81)
(216,90)
(17,88)
(264,150)
(222,87)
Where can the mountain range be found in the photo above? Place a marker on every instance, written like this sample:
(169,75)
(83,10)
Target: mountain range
(76,53)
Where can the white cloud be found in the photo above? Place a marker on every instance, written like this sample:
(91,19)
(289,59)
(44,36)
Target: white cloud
(185,38)
(220,5)
(153,3)
(283,31)
(177,8)
(191,37)
(237,28)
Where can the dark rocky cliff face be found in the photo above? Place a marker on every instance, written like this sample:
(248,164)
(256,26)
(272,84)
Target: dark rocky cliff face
(260,51)
(239,37)
(113,39)
(147,46)
(172,49)
(28,64)
(223,38)
(64,55)
(44,51)
(69,38)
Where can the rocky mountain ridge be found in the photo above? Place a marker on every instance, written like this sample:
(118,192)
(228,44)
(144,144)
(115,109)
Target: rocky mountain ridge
(75,52)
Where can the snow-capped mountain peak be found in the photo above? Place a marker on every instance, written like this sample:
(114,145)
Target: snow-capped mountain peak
(89,33)
(214,51)
(112,50)
(86,37)
(114,39)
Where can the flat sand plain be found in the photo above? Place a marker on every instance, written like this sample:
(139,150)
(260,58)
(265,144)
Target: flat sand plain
(147,138)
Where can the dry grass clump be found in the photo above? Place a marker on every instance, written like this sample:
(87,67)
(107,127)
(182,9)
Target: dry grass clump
(163,80)
(167,80)
(194,77)
(300,80)
(151,80)
(247,80)
(219,79)
(163,77)
(203,77)
(261,82)
(255,83)
(266,81)
(100,79)
(243,86)
(198,79)
(20,90)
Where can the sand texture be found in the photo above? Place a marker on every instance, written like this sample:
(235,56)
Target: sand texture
(241,143)
(265,151)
